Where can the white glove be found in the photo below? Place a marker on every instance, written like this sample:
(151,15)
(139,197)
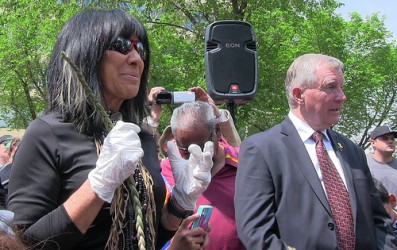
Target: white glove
(117,161)
(192,176)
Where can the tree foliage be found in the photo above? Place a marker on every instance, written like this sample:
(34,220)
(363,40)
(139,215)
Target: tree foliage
(283,29)
(371,78)
(28,33)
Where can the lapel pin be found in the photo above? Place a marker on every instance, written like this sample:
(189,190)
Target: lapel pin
(340,147)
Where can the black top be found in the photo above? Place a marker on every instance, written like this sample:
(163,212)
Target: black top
(53,161)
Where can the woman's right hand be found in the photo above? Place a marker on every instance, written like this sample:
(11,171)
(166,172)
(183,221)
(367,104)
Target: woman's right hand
(187,238)
(117,161)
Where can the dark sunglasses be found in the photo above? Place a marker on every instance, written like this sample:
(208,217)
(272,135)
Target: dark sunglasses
(124,46)
(186,149)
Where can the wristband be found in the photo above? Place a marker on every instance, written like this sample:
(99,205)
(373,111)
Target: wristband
(223,117)
(176,211)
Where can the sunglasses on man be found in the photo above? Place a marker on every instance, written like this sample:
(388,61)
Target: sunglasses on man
(186,149)
(124,46)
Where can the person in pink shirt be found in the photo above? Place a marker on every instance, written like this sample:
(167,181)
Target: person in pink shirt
(195,123)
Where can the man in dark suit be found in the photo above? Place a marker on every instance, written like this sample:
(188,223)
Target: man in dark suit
(301,185)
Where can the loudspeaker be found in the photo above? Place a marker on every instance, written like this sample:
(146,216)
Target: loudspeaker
(231,62)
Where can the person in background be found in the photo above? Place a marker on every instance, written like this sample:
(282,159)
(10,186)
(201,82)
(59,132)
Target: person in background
(223,119)
(382,164)
(194,126)
(389,202)
(300,184)
(8,147)
(87,178)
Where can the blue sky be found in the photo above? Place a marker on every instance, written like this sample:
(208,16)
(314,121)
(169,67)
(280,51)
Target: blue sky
(365,8)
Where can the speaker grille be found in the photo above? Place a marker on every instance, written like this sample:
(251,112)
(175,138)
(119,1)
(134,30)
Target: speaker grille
(211,46)
(231,61)
(251,45)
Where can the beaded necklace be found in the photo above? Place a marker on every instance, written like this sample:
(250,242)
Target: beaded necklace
(132,225)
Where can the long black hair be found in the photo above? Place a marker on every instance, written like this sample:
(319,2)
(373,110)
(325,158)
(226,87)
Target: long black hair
(84,39)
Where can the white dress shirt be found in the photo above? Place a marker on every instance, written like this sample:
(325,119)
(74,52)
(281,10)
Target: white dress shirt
(305,132)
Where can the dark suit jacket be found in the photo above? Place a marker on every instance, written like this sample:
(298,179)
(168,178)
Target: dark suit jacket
(279,199)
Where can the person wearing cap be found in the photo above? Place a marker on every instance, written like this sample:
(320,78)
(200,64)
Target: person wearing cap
(6,153)
(8,147)
(382,164)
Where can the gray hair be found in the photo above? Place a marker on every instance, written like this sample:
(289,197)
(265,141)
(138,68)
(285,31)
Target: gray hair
(302,72)
(193,114)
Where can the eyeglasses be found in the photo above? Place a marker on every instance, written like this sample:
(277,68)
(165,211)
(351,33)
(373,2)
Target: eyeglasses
(186,149)
(124,46)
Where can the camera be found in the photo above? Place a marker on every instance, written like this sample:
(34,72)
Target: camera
(167,97)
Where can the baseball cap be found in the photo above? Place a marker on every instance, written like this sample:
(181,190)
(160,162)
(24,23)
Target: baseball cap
(382,130)
(6,138)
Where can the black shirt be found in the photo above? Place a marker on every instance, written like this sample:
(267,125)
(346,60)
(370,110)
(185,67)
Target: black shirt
(53,161)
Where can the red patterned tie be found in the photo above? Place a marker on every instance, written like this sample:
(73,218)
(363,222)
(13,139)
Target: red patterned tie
(338,197)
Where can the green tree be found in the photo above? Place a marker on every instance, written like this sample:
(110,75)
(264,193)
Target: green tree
(29,29)
(283,29)
(370,78)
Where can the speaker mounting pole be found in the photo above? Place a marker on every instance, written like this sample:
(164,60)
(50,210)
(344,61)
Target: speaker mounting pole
(231,106)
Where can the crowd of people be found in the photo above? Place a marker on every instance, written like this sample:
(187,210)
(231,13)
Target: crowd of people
(93,172)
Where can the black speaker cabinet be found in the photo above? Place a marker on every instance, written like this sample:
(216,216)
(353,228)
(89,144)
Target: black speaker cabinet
(231,62)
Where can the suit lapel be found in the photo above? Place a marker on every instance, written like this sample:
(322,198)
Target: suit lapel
(302,160)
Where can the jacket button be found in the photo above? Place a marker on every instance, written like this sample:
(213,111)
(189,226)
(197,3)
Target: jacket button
(331,226)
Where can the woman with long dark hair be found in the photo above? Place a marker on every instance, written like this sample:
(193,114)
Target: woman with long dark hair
(80,181)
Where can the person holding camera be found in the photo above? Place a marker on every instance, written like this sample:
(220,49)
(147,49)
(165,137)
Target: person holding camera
(223,117)
(87,177)
(195,126)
